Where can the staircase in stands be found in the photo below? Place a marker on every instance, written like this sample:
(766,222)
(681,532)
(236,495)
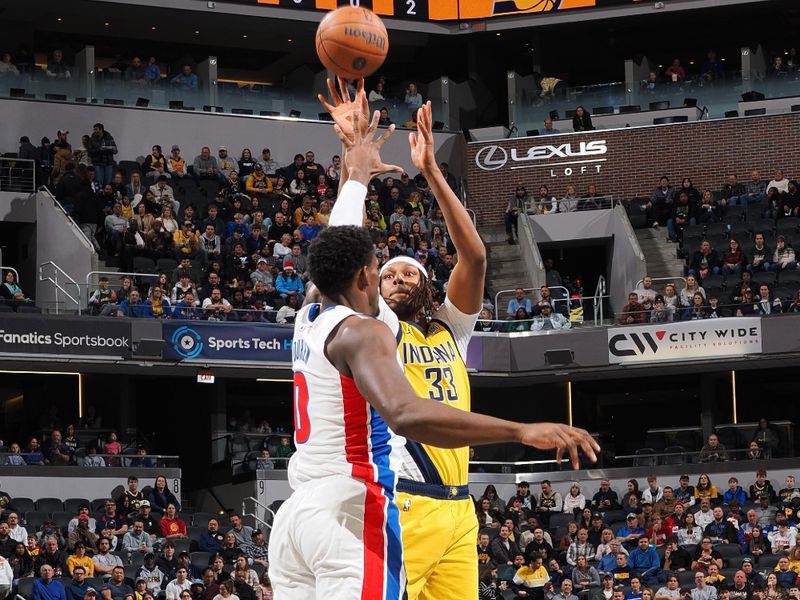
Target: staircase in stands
(505,269)
(661,257)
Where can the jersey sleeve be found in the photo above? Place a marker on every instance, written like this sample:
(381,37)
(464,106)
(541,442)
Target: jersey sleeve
(387,315)
(460,324)
(349,206)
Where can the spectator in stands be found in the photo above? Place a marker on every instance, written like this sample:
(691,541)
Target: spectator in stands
(79,560)
(11,292)
(761,255)
(705,261)
(661,313)
(548,128)
(784,257)
(52,556)
(687,293)
(176,164)
(243,534)
(570,201)
(56,68)
(582,120)
(168,562)
(161,496)
(720,530)
(549,319)
(83,532)
(732,191)
(102,148)
(735,492)
(155,164)
(211,539)
(643,561)
(662,200)
(779,182)
(46,587)
(675,72)
(186,81)
(733,260)
(697,310)
(116,588)
(684,212)
(413,99)
(712,451)
(766,304)
(137,539)
(288,283)
(79,587)
(8,68)
(205,166)
(633,312)
(515,206)
(518,301)
(152,574)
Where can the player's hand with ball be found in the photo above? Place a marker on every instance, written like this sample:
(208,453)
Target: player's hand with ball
(546,436)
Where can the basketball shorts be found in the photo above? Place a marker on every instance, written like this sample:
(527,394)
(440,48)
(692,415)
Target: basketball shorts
(439,547)
(337,538)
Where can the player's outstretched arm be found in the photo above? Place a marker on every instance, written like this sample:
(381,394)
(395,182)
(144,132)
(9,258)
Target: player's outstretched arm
(361,156)
(465,288)
(365,350)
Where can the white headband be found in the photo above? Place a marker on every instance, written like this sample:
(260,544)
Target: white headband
(408,260)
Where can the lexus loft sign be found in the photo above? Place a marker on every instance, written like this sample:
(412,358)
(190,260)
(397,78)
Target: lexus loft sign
(566,159)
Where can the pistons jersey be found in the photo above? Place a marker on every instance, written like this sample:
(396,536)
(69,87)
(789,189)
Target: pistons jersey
(337,432)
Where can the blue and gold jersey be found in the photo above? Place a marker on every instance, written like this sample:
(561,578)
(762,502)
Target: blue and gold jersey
(434,366)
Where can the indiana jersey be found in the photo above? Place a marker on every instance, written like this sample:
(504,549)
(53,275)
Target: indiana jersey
(434,363)
(337,432)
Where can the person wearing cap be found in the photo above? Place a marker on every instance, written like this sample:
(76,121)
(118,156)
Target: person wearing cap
(78,587)
(186,241)
(102,149)
(524,492)
(549,319)
(83,510)
(176,164)
(630,533)
(752,576)
(685,492)
(226,163)
(268,164)
(792,510)
(258,184)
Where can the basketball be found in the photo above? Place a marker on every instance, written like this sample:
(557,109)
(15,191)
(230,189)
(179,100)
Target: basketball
(352,42)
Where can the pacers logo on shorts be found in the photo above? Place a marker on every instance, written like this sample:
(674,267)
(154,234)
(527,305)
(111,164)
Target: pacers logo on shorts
(187,342)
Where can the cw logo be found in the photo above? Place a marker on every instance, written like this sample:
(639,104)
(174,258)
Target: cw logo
(617,344)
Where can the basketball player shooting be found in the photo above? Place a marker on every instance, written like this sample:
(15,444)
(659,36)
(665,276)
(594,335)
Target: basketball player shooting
(350,206)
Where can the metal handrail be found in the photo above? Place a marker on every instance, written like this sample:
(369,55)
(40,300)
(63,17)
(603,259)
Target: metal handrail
(551,287)
(258,519)
(43,189)
(599,294)
(665,280)
(58,286)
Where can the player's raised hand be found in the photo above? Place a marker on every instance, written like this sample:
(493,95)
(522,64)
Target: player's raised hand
(421,142)
(546,436)
(362,151)
(342,106)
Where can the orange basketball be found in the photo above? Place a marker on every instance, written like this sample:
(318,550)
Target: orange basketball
(352,42)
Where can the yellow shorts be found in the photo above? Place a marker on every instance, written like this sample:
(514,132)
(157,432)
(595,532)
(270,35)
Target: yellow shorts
(439,547)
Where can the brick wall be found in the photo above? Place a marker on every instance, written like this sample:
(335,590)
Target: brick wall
(705,151)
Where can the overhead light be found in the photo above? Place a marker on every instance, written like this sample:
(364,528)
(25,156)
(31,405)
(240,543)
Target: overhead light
(153,28)
(196,31)
(106,23)
(290,40)
(497,34)
(244,35)
(58,19)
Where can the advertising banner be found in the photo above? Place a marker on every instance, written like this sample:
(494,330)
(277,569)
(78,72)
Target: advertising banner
(22,334)
(209,341)
(689,340)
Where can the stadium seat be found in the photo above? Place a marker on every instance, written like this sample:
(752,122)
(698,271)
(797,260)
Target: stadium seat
(686,578)
(181,545)
(767,562)
(752,112)
(490,531)
(25,587)
(789,277)
(741,230)
(690,440)
(660,105)
(73,505)
(717,231)
(713,281)
(35,519)
(730,438)
(62,518)
(137,559)
(729,572)
(764,277)
(560,520)
(200,559)
(98,504)
(28,308)
(614,516)
(787,225)
(656,441)
(132,571)
(5,308)
(49,505)
(23,505)
(786,294)
(200,519)
(767,226)
(729,114)
(678,458)
(603,110)
(729,552)
(644,458)
(631,108)
(130,167)
(143,264)
(615,527)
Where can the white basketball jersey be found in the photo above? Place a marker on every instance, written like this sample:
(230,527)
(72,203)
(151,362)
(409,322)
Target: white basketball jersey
(337,432)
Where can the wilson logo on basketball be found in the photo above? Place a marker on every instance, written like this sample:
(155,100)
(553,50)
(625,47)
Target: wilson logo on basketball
(369,37)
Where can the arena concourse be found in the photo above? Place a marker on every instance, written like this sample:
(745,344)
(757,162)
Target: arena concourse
(161,180)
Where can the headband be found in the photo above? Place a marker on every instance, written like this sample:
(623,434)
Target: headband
(408,260)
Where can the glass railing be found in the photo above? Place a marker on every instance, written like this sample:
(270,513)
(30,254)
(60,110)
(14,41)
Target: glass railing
(114,89)
(81,458)
(718,97)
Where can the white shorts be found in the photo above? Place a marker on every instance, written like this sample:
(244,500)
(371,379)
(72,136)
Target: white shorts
(337,538)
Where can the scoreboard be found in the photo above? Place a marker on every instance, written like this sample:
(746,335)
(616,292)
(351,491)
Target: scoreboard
(443,10)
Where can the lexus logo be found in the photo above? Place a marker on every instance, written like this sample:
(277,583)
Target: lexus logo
(491,158)
(617,343)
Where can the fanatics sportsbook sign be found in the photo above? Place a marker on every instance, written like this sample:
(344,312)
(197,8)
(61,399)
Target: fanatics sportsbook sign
(710,338)
(107,338)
